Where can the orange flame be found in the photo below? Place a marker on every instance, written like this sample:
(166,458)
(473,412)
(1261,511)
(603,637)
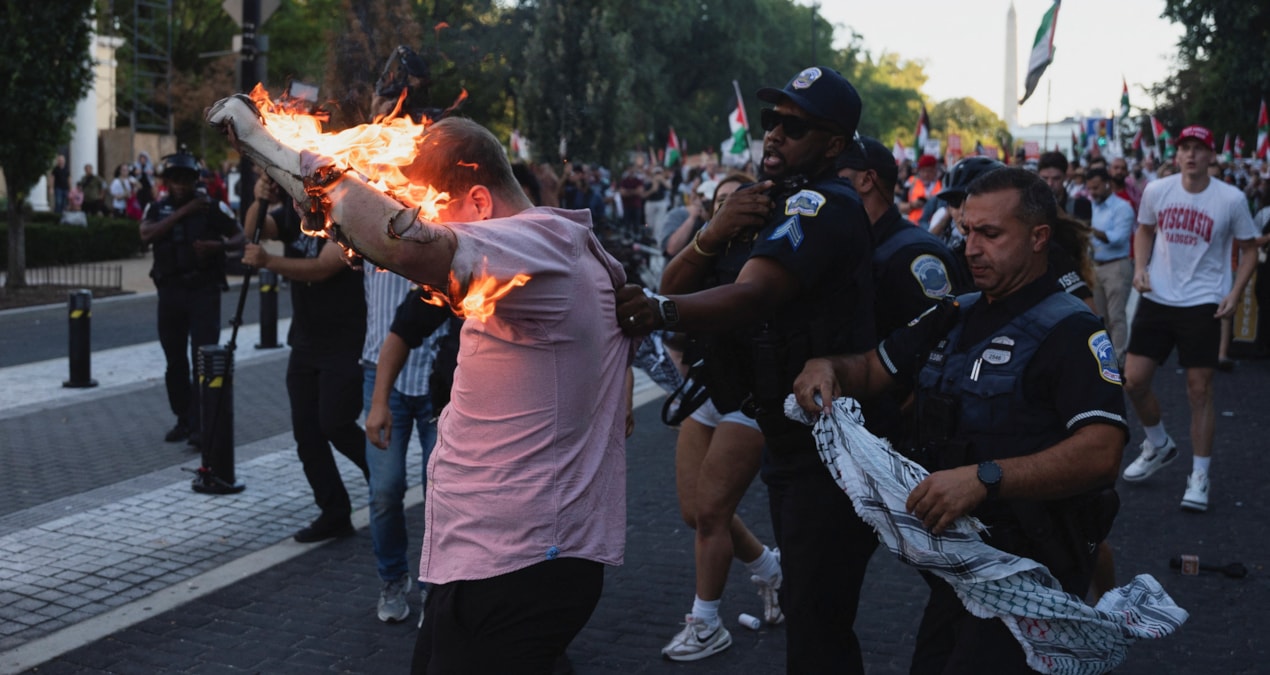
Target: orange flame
(379,151)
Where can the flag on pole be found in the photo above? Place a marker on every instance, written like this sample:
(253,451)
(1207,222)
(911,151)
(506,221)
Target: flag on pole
(1042,51)
(1084,138)
(897,151)
(739,125)
(1239,146)
(923,132)
(1137,140)
(1124,99)
(1263,133)
(673,149)
(1158,130)
(1225,148)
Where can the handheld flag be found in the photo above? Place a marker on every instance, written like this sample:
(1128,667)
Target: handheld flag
(1225,148)
(1239,146)
(1263,133)
(739,125)
(923,131)
(1042,51)
(1124,99)
(673,149)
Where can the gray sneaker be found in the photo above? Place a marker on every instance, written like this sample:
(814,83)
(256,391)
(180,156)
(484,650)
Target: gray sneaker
(392,600)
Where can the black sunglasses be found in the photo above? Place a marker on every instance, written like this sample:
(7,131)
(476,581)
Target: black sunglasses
(795,127)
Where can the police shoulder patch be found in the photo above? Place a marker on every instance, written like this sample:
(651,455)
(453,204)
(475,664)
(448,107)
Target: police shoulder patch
(931,275)
(805,202)
(791,230)
(1105,355)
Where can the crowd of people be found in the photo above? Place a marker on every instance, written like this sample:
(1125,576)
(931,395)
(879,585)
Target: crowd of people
(126,193)
(990,319)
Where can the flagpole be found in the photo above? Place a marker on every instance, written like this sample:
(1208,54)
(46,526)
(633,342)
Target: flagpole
(749,143)
(1049,89)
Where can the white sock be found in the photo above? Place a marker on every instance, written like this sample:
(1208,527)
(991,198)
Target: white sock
(706,610)
(1200,464)
(1156,434)
(765,566)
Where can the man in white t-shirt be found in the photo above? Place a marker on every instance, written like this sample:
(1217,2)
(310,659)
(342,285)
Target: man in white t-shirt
(1182,253)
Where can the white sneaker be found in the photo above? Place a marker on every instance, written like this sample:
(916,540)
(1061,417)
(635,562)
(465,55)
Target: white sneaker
(392,600)
(767,589)
(1151,460)
(697,640)
(1196,497)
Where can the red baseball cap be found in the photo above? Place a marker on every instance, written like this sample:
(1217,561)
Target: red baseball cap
(1198,133)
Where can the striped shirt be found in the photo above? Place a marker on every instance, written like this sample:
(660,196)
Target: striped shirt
(384,293)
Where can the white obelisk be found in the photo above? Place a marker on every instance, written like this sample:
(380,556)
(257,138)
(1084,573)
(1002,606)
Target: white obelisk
(1010,107)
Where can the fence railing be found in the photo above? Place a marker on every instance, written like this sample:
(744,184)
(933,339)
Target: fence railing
(86,275)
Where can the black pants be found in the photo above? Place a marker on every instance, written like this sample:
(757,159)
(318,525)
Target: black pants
(825,549)
(520,622)
(188,319)
(325,388)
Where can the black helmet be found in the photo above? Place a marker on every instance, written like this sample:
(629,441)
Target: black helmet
(963,173)
(181,161)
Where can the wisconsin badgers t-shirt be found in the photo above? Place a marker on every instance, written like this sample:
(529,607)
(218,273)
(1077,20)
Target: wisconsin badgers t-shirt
(1190,260)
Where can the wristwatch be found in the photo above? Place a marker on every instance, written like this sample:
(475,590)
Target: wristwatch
(990,475)
(669,312)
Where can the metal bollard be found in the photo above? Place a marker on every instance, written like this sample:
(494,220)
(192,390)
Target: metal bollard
(268,310)
(81,342)
(216,409)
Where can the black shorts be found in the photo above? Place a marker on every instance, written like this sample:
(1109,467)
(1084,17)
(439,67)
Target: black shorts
(1193,330)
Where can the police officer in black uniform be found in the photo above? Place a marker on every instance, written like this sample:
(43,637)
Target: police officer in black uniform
(189,234)
(1020,414)
(324,373)
(805,291)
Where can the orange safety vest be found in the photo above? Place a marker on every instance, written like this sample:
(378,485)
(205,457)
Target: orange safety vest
(917,192)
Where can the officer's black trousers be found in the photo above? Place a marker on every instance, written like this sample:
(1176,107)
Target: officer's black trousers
(825,548)
(325,388)
(188,319)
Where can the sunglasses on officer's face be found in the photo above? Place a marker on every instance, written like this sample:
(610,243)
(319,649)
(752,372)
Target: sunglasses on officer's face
(795,127)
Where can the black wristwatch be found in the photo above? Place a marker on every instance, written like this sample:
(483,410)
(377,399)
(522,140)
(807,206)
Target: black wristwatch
(990,475)
(669,312)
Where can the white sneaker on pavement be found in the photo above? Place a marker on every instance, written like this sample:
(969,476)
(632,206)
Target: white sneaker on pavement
(392,600)
(1196,496)
(697,640)
(1151,460)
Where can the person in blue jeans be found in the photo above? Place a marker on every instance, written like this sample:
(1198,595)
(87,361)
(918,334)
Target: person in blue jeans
(405,406)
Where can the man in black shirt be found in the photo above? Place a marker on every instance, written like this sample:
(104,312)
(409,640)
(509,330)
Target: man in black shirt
(1021,414)
(324,374)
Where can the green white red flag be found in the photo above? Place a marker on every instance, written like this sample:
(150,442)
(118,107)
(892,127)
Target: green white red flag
(1124,99)
(1042,51)
(739,125)
(1263,133)
(674,152)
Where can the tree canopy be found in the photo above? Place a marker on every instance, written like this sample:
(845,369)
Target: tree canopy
(46,70)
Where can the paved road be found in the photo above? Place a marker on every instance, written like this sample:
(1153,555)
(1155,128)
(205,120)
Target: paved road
(315,611)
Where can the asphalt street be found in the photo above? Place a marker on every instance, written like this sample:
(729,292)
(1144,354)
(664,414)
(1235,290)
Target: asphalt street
(76,465)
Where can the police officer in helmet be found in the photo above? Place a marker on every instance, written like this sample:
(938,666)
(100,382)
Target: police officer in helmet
(1020,414)
(805,291)
(189,234)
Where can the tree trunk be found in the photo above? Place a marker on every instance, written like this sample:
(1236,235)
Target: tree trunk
(16,276)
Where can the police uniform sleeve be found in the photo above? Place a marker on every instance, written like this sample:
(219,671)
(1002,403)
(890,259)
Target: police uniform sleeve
(812,232)
(1076,368)
(416,318)
(915,280)
(906,349)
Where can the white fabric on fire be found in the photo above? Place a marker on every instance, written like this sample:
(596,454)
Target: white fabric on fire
(1059,633)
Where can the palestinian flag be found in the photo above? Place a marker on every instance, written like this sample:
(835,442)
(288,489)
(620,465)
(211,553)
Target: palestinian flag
(1124,99)
(1137,140)
(1239,146)
(923,132)
(739,125)
(1263,133)
(1042,51)
(1225,148)
(673,149)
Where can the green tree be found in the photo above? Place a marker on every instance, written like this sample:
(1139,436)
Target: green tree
(576,85)
(1222,72)
(45,72)
(891,91)
(972,120)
